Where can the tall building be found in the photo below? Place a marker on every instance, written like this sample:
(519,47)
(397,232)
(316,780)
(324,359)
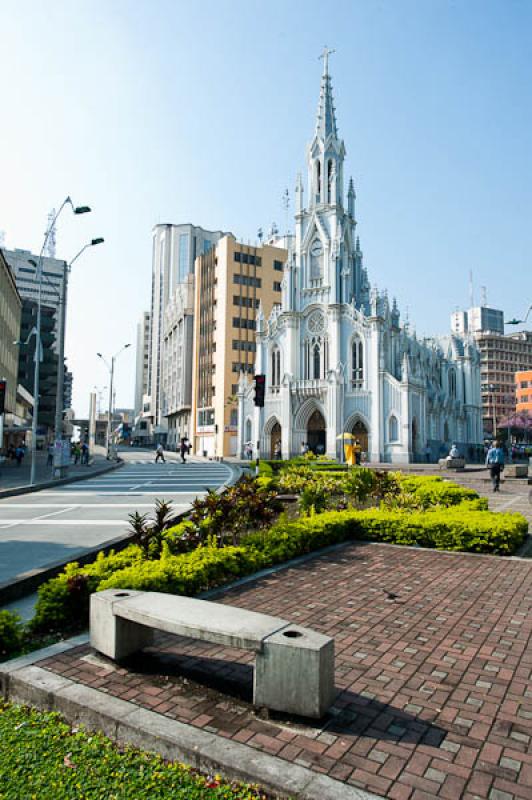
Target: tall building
(523,391)
(10,314)
(142,358)
(178,332)
(233,282)
(501,357)
(336,359)
(48,366)
(480,319)
(175,248)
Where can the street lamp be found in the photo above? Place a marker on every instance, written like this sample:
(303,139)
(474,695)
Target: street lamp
(58,425)
(111,368)
(37,329)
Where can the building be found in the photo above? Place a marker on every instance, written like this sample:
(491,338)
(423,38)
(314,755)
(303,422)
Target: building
(233,282)
(24,266)
(141,366)
(175,248)
(48,366)
(178,332)
(523,391)
(480,319)
(10,315)
(501,357)
(337,360)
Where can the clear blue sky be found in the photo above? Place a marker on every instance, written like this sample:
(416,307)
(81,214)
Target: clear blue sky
(177,111)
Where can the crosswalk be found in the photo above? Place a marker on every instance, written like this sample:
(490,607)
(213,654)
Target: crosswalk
(63,522)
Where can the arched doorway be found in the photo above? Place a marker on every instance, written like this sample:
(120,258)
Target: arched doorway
(360,432)
(275,441)
(316,437)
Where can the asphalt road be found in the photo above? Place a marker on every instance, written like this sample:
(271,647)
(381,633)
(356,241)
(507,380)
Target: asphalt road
(61,523)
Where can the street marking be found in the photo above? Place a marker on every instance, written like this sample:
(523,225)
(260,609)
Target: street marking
(6,523)
(74,506)
(67,522)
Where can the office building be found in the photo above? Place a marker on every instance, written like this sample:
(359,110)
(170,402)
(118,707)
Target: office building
(233,283)
(10,315)
(523,391)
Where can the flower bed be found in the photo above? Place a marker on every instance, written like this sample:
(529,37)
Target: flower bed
(42,758)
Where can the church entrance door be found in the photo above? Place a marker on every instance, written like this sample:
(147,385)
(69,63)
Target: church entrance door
(360,432)
(316,437)
(275,441)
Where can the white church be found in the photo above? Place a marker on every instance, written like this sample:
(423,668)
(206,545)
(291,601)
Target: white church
(336,357)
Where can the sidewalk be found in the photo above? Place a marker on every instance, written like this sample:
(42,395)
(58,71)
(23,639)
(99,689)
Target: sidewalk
(15,478)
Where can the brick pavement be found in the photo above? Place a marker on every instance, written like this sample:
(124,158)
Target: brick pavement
(435,696)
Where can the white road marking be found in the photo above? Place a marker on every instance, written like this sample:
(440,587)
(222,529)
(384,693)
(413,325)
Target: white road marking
(65,522)
(74,506)
(42,520)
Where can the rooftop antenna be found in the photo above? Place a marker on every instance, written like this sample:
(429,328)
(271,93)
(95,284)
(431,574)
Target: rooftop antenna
(286,206)
(49,250)
(484,296)
(471,295)
(260,235)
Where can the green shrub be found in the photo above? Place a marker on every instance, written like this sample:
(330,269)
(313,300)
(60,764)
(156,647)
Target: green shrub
(422,492)
(11,634)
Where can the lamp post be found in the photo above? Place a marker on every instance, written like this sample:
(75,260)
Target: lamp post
(37,330)
(111,368)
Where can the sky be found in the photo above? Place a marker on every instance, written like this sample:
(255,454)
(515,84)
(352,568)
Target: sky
(152,111)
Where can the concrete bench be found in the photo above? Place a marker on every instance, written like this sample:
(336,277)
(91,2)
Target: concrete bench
(294,666)
(452,463)
(516,471)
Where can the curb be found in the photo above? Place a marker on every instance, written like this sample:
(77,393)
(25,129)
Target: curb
(23,682)
(57,482)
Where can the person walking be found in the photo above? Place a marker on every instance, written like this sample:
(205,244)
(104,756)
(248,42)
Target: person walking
(495,462)
(183,449)
(50,458)
(85,454)
(19,455)
(159,454)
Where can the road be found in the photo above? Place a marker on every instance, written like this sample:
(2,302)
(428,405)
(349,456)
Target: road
(61,523)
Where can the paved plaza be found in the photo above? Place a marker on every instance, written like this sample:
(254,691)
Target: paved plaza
(433,671)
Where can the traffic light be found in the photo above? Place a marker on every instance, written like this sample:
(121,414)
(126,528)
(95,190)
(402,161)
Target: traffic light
(260,386)
(3,390)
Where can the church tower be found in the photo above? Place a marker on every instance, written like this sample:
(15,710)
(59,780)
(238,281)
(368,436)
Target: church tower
(329,264)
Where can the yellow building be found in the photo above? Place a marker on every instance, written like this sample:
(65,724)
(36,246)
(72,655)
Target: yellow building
(10,312)
(230,282)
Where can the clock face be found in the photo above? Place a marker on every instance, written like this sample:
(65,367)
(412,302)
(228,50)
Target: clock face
(316,248)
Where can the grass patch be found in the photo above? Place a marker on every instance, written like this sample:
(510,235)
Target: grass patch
(43,758)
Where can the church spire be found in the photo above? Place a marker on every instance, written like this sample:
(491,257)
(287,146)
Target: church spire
(326,119)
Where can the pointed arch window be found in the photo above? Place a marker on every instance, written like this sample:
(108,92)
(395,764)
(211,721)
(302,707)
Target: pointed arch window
(316,361)
(393,429)
(452,383)
(329,179)
(318,180)
(357,363)
(275,369)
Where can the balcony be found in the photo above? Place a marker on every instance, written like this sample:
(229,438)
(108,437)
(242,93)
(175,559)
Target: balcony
(309,388)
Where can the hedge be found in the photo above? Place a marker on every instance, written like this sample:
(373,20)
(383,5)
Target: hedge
(63,601)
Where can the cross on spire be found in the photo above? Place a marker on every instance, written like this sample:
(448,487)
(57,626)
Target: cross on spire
(325,55)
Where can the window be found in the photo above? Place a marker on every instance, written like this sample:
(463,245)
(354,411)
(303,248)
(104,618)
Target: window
(247,280)
(246,302)
(206,246)
(393,430)
(234,417)
(240,322)
(278,265)
(248,258)
(184,239)
(357,364)
(275,369)
(316,361)
(452,383)
(276,286)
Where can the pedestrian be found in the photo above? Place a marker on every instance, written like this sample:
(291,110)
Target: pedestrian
(427,453)
(358,453)
(19,455)
(85,454)
(277,450)
(50,458)
(304,448)
(495,462)
(183,449)
(159,454)
(11,452)
(77,453)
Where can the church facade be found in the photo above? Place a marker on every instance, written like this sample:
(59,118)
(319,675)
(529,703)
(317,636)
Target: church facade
(336,357)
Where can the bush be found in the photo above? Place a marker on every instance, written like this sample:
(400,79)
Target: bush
(422,492)
(11,634)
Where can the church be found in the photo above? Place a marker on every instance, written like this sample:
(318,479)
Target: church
(336,357)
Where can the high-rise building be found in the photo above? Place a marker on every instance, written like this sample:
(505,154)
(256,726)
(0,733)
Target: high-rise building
(479,319)
(141,366)
(10,313)
(233,282)
(175,248)
(523,391)
(48,366)
(178,332)
(501,357)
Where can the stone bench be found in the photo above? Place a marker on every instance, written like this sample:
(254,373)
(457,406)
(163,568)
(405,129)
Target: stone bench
(294,666)
(516,471)
(452,463)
